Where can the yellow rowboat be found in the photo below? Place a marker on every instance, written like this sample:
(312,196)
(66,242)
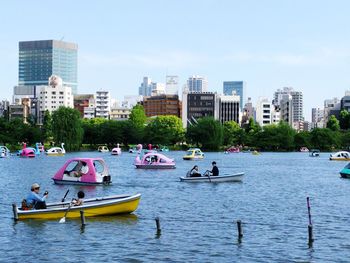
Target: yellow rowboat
(110,205)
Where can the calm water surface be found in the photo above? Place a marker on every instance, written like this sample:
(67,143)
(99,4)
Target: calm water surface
(197,220)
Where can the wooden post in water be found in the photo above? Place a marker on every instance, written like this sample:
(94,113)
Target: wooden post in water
(15,214)
(159,230)
(240,232)
(309,227)
(82,218)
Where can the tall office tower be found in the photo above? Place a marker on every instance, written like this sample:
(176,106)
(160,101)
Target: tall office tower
(145,88)
(197,84)
(171,85)
(317,114)
(39,60)
(235,88)
(297,102)
(229,108)
(196,105)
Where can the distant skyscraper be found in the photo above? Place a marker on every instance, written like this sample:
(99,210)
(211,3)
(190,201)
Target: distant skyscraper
(197,84)
(38,60)
(235,87)
(145,88)
(171,87)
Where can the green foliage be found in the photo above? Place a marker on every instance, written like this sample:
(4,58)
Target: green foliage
(165,130)
(302,139)
(333,124)
(324,139)
(344,120)
(138,116)
(208,132)
(47,125)
(67,128)
(233,134)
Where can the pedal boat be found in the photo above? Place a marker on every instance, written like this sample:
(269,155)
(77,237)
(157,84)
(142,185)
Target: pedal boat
(194,154)
(154,161)
(237,177)
(110,205)
(116,150)
(340,156)
(56,151)
(345,172)
(4,152)
(70,173)
(103,149)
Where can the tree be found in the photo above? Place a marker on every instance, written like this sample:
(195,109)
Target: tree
(67,128)
(333,123)
(165,130)
(302,139)
(138,119)
(47,125)
(232,133)
(207,132)
(324,139)
(344,120)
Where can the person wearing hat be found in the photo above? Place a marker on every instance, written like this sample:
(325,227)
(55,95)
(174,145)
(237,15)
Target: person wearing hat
(34,200)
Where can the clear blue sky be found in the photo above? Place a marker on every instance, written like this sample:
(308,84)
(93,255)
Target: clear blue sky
(268,44)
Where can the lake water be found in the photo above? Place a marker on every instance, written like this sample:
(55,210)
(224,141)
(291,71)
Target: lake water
(198,221)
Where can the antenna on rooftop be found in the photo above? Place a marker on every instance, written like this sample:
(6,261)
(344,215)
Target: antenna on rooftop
(62,38)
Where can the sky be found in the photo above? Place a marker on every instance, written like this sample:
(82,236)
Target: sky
(268,44)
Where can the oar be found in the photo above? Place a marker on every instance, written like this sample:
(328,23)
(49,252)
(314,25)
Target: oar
(208,174)
(63,219)
(64,197)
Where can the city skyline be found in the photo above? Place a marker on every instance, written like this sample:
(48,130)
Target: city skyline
(267,45)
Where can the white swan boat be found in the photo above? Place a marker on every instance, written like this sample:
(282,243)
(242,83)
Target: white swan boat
(56,151)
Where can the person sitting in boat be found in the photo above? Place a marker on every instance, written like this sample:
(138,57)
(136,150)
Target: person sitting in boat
(214,171)
(80,200)
(80,169)
(194,172)
(34,200)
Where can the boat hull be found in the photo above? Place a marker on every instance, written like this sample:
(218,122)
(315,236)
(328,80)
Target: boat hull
(112,205)
(338,159)
(189,158)
(65,182)
(145,166)
(214,179)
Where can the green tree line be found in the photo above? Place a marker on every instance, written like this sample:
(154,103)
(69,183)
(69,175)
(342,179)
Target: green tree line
(65,125)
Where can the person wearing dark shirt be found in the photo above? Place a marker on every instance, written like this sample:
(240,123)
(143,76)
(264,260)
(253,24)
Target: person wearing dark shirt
(215,169)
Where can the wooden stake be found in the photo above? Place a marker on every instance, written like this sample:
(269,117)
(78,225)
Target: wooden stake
(82,218)
(159,230)
(240,232)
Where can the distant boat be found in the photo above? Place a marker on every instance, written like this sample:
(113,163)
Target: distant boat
(56,151)
(340,156)
(314,153)
(194,154)
(4,152)
(103,149)
(304,149)
(154,161)
(237,177)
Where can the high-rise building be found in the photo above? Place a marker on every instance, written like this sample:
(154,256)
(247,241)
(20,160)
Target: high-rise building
(297,102)
(103,104)
(234,88)
(38,60)
(248,112)
(171,85)
(286,109)
(196,105)
(145,88)
(197,84)
(331,107)
(229,108)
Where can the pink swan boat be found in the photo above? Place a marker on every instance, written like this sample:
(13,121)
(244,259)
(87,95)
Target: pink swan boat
(83,171)
(27,152)
(154,161)
(116,150)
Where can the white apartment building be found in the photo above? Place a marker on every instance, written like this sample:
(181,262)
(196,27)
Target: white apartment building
(157,88)
(264,109)
(330,106)
(54,96)
(89,112)
(103,104)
